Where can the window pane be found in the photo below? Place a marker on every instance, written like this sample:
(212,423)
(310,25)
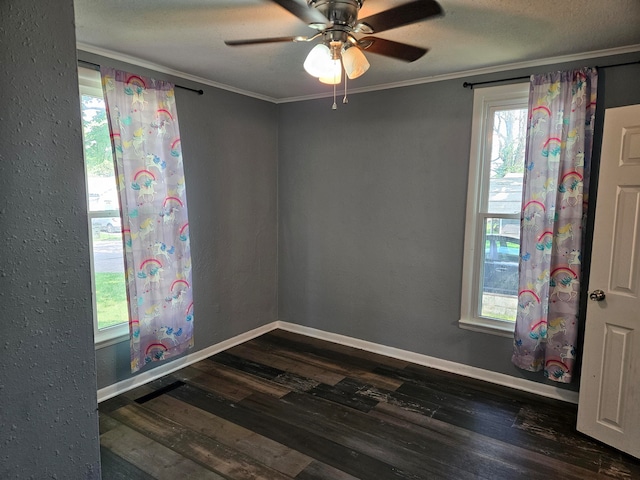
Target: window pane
(101,181)
(500,262)
(106,227)
(507,161)
(108,267)
(103,196)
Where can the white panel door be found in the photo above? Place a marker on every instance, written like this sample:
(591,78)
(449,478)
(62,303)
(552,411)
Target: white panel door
(609,405)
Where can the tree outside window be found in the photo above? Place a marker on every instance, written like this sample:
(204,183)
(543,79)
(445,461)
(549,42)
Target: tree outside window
(107,261)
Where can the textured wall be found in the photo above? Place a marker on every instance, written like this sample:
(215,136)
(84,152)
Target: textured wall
(48,420)
(230,149)
(372,201)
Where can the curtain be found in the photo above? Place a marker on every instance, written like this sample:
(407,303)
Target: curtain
(143,123)
(557,160)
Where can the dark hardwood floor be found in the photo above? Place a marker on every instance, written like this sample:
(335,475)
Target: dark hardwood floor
(287,406)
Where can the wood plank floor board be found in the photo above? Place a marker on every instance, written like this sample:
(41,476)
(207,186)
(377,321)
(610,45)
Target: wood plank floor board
(499,423)
(518,437)
(294,436)
(324,363)
(498,398)
(253,368)
(345,393)
(322,471)
(619,466)
(447,388)
(342,354)
(474,409)
(200,448)
(532,464)
(222,373)
(114,467)
(285,405)
(342,426)
(288,375)
(153,458)
(106,422)
(249,352)
(401,400)
(272,454)
(429,440)
(545,425)
(430,447)
(206,381)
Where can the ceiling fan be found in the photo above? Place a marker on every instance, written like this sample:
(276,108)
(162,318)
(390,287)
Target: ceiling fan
(337,24)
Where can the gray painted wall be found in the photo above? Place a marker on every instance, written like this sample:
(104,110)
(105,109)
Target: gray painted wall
(48,420)
(230,151)
(372,201)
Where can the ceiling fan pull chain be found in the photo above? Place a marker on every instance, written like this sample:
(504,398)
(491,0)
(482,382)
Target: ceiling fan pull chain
(335,105)
(345,99)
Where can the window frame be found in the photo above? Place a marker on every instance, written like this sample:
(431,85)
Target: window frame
(117,333)
(485,101)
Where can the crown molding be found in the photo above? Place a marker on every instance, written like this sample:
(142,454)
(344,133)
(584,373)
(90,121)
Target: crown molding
(480,71)
(418,81)
(84,47)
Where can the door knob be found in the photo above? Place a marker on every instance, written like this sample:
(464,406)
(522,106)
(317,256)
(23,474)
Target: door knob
(597,295)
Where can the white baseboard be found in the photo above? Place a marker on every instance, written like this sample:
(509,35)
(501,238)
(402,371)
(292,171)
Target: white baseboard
(437,363)
(413,357)
(137,381)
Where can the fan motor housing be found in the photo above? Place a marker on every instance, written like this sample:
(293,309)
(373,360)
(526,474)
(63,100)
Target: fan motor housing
(340,12)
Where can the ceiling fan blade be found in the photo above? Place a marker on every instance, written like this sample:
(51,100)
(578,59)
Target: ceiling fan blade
(388,48)
(307,14)
(257,41)
(401,15)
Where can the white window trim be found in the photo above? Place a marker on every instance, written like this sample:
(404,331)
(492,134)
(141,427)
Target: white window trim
(118,333)
(484,99)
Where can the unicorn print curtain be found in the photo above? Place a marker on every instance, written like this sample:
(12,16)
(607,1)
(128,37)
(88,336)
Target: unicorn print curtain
(144,130)
(557,160)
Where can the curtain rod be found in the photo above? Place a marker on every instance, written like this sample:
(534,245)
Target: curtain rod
(471,85)
(97,67)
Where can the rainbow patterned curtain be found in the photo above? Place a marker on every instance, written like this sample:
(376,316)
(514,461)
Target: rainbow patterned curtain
(143,123)
(559,143)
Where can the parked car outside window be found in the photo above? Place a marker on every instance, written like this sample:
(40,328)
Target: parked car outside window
(106,224)
(502,256)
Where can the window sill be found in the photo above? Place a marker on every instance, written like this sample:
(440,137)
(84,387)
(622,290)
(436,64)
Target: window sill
(488,325)
(111,336)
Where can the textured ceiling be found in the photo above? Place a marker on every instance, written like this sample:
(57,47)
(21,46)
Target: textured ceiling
(188,36)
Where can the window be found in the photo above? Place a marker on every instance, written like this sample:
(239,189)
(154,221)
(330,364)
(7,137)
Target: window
(110,310)
(492,232)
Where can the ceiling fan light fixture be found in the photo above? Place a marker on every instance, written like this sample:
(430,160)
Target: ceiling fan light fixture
(334,75)
(354,61)
(319,62)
